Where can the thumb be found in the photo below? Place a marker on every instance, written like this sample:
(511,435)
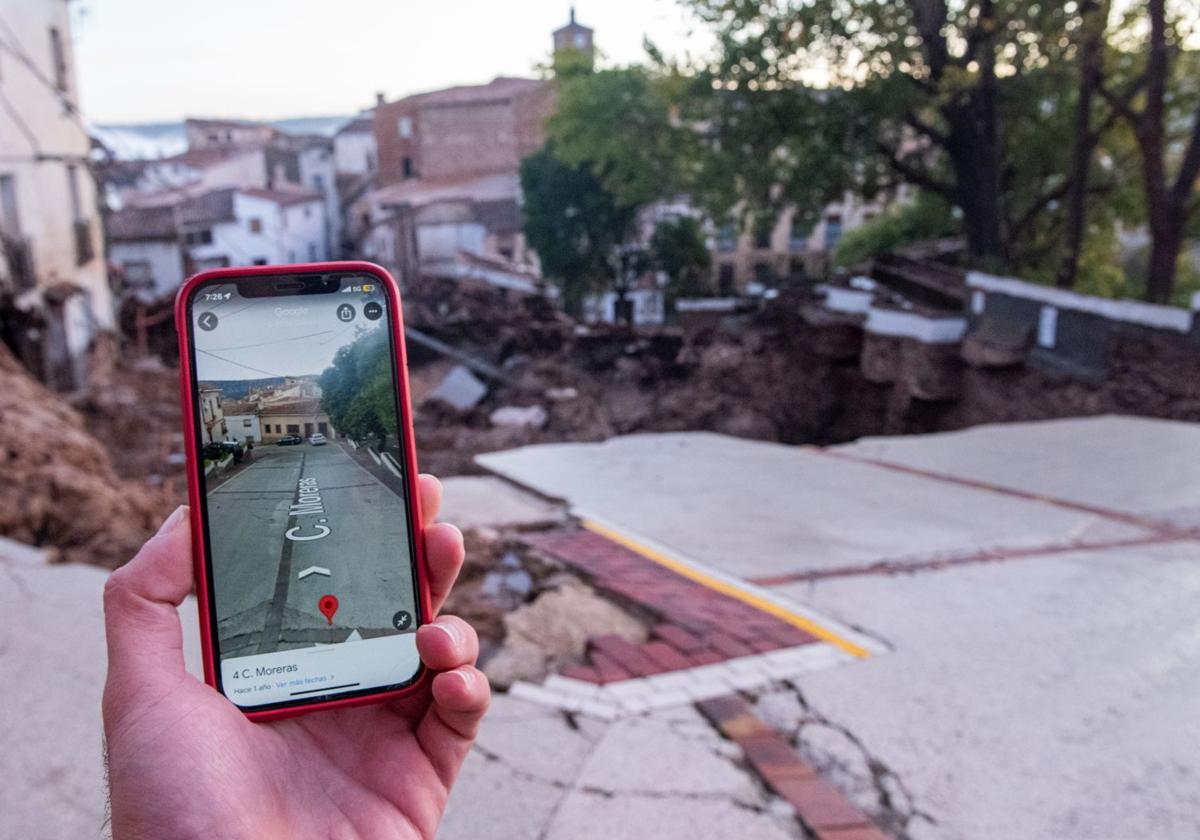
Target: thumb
(145,642)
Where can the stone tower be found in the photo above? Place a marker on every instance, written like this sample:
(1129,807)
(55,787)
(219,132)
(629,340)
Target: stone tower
(573,45)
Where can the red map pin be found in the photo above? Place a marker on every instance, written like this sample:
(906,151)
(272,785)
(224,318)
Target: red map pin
(328,606)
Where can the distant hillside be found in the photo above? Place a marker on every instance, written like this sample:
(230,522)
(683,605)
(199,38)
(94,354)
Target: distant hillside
(237,389)
(134,141)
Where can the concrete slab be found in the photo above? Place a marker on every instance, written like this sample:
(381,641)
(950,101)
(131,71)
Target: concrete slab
(489,502)
(750,508)
(53,659)
(584,816)
(489,801)
(1046,698)
(1132,464)
(666,775)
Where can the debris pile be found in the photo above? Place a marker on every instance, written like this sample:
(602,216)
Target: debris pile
(60,489)
(533,616)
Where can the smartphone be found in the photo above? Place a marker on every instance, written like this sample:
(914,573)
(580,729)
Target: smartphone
(302,480)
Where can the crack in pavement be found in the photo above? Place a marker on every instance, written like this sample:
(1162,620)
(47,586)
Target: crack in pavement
(896,806)
(568,787)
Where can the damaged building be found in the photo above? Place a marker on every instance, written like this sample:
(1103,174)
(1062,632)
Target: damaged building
(54,293)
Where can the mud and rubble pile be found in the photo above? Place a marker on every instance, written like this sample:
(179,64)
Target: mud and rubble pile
(60,489)
(132,406)
(768,375)
(777,373)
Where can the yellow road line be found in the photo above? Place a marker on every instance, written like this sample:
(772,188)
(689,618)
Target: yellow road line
(729,589)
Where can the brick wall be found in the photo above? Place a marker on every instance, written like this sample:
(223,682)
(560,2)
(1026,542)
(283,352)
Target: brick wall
(393,148)
(461,138)
(467,140)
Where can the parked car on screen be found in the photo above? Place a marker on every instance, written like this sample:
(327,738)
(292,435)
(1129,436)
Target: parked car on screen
(289,440)
(317,440)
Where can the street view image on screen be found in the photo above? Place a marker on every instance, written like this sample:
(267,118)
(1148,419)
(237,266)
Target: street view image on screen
(307,526)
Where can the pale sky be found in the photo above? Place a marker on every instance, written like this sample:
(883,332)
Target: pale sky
(257,338)
(161,60)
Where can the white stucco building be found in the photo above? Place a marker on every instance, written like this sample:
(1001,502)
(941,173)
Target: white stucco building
(52,272)
(354,149)
(307,162)
(155,248)
(242,422)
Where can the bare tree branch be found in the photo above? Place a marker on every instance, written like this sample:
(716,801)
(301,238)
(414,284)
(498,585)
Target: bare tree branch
(914,175)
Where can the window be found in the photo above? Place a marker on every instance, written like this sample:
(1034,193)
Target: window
(726,239)
(81,230)
(762,239)
(762,273)
(798,238)
(260,260)
(293,429)
(725,279)
(404,127)
(59,58)
(10,220)
(323,428)
(199,237)
(246,422)
(137,274)
(833,231)
(319,183)
(256,225)
(73,187)
(407,166)
(312,252)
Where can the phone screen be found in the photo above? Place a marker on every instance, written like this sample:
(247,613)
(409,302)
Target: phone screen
(305,497)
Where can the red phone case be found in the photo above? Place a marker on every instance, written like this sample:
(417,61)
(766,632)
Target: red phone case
(183,326)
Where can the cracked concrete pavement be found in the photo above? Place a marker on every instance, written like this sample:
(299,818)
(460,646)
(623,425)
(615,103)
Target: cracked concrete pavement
(1041,676)
(1040,694)
(537,773)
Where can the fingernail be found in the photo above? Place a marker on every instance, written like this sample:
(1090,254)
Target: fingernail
(465,677)
(451,632)
(172,521)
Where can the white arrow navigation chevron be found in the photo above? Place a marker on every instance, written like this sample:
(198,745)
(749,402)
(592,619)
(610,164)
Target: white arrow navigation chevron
(314,570)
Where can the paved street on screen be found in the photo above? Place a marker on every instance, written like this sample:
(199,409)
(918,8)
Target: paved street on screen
(348,538)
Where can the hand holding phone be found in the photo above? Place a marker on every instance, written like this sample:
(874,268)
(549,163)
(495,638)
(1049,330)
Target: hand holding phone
(184,761)
(302,481)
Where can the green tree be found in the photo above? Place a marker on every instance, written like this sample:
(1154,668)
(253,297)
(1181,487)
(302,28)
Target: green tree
(357,389)
(678,248)
(1156,92)
(927,83)
(573,223)
(926,217)
(617,124)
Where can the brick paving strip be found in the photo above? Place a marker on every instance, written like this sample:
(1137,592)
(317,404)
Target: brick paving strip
(705,644)
(822,808)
